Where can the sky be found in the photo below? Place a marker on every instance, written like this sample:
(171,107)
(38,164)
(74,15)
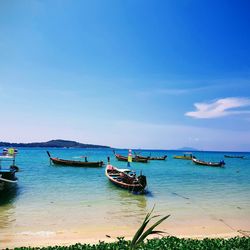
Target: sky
(128,74)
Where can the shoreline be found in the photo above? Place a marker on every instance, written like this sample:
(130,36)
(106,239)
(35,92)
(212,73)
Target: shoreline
(56,240)
(93,235)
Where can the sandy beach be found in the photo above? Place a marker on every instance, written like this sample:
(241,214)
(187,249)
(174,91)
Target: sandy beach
(91,234)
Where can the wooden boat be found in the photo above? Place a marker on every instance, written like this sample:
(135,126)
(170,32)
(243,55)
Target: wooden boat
(7,174)
(187,156)
(234,156)
(134,159)
(125,178)
(162,158)
(142,157)
(211,164)
(85,163)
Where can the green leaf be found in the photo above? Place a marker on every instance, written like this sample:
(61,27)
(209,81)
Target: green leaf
(141,228)
(139,236)
(150,230)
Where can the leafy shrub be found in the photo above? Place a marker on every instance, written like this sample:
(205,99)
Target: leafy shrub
(237,243)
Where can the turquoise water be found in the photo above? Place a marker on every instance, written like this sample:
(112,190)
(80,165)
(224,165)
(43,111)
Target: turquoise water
(56,198)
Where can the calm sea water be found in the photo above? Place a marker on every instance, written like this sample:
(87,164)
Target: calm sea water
(56,198)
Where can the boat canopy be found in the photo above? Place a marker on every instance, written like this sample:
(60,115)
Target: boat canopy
(6,157)
(124,170)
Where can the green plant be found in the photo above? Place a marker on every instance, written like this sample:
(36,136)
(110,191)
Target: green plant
(165,243)
(140,235)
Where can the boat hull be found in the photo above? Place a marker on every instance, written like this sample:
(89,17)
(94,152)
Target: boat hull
(114,179)
(62,162)
(163,158)
(7,185)
(134,159)
(183,157)
(7,179)
(210,164)
(234,156)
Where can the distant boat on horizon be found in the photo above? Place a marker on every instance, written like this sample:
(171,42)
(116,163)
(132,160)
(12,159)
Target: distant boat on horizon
(186,156)
(235,156)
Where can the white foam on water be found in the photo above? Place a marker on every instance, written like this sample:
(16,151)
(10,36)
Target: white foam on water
(39,233)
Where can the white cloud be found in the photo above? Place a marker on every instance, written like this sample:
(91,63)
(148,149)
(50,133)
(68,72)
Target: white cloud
(219,108)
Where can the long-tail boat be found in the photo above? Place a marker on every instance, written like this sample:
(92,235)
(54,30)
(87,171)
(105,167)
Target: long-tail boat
(234,156)
(162,158)
(187,156)
(125,178)
(85,163)
(134,159)
(211,164)
(7,174)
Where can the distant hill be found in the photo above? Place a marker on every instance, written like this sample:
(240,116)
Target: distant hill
(187,149)
(52,144)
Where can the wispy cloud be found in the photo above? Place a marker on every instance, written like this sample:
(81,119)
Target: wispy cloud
(188,87)
(220,107)
(172,91)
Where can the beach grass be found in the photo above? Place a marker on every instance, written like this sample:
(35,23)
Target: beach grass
(158,243)
(142,233)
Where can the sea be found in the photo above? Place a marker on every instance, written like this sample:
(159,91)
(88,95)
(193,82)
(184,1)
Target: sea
(51,199)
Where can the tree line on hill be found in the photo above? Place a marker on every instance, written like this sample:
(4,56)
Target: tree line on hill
(52,144)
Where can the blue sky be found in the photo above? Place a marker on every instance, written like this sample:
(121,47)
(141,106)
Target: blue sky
(140,74)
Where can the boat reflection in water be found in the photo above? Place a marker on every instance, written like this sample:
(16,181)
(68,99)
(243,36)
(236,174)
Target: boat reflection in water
(132,208)
(7,208)
(9,195)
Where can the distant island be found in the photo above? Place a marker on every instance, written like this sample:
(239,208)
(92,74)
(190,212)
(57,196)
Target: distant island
(52,144)
(187,149)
